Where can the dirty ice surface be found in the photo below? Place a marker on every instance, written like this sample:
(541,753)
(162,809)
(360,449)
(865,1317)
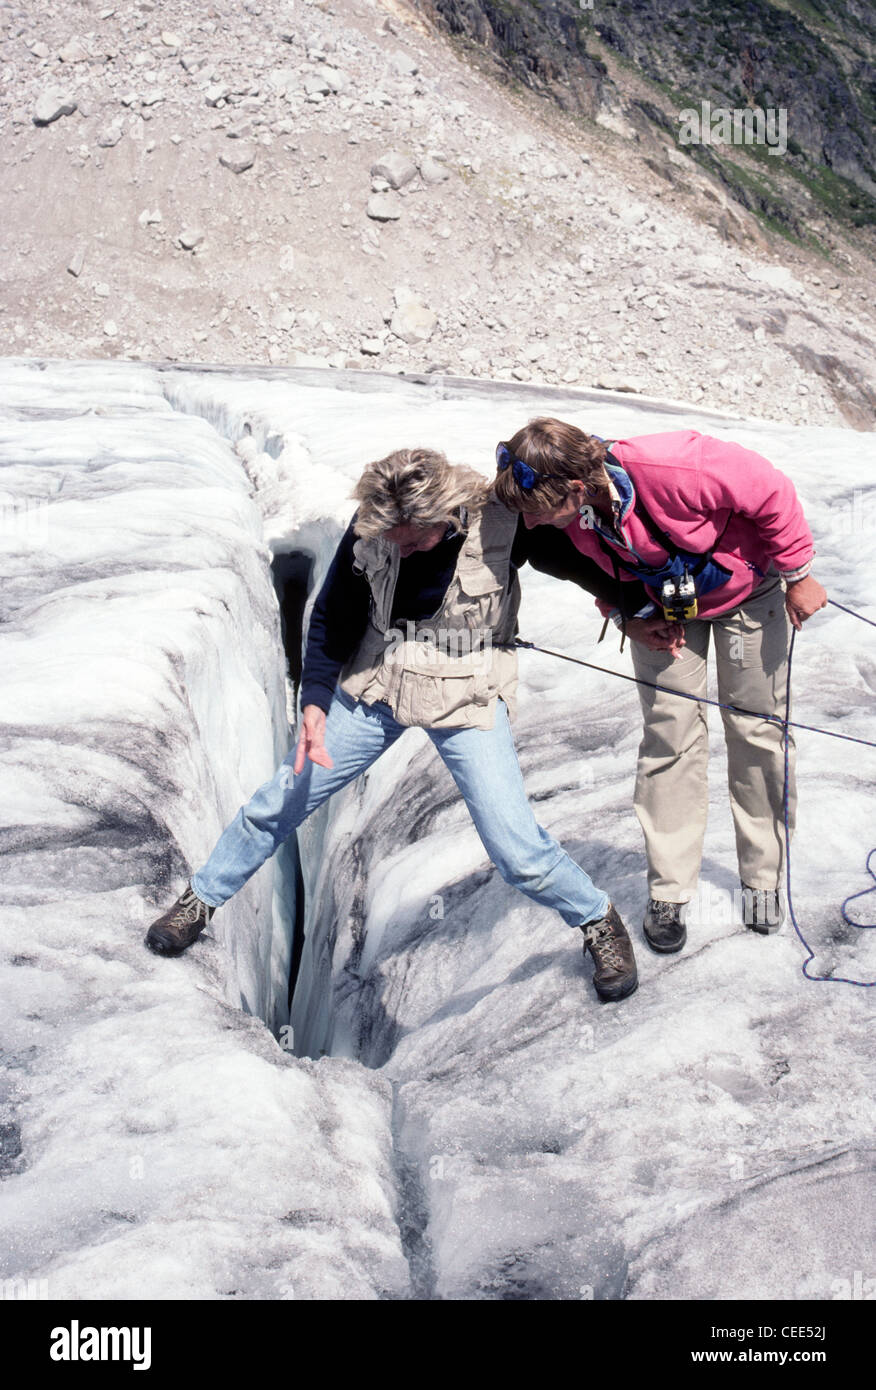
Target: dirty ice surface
(449,1113)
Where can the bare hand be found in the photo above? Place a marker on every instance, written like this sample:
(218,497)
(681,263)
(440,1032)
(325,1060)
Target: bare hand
(804,598)
(657,634)
(311,743)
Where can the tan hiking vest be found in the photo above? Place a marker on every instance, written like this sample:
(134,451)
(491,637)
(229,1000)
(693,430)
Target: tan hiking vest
(448,671)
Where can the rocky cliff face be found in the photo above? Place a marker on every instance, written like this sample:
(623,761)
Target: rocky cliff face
(544,46)
(811,59)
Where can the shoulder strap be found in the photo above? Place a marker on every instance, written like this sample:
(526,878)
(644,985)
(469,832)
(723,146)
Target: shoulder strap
(641,511)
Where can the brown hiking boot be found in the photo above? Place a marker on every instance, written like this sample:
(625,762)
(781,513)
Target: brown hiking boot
(610,946)
(664,926)
(175,932)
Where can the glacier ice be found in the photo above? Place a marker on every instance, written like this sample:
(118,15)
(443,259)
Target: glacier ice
(458,1117)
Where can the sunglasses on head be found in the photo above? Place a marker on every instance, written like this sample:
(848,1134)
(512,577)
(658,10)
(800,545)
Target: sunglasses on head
(525,476)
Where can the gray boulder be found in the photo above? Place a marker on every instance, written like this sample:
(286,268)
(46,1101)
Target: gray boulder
(412,321)
(431,171)
(51,106)
(73,52)
(403,64)
(383,207)
(190,237)
(316,85)
(335,79)
(396,168)
(238,159)
(110,136)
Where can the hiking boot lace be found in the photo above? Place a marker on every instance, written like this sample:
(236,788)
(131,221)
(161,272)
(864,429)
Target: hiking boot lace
(604,946)
(189,910)
(662,912)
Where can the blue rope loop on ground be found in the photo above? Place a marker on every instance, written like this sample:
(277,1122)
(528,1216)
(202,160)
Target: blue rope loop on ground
(864,893)
(786,724)
(865,926)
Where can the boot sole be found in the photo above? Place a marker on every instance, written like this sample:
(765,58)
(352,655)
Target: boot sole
(664,950)
(165,946)
(622,992)
(767,928)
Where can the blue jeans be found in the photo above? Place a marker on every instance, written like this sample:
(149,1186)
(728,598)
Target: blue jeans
(483,763)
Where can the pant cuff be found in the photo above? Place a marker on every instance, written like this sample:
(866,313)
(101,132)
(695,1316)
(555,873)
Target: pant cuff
(204,897)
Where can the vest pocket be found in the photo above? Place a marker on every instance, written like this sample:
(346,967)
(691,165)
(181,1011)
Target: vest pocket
(438,685)
(454,657)
(479,580)
(435,701)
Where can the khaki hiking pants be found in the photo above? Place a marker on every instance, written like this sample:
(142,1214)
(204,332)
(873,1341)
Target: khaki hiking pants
(671,800)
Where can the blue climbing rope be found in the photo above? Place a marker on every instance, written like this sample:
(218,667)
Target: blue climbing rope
(864,926)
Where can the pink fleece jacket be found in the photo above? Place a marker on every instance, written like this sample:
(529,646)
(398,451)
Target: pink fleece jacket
(707,495)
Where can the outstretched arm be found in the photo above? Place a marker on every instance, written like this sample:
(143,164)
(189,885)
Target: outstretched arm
(337,624)
(549,550)
(311,740)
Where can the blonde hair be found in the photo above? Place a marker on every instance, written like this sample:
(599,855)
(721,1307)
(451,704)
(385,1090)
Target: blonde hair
(552,447)
(416,487)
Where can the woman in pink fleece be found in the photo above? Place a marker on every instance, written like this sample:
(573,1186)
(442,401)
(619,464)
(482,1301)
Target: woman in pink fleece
(718,536)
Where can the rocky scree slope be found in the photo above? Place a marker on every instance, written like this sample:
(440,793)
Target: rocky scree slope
(332,184)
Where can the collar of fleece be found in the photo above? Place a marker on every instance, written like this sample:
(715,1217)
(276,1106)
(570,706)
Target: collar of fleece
(623,494)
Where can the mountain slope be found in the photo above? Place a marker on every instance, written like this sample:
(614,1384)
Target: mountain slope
(219,192)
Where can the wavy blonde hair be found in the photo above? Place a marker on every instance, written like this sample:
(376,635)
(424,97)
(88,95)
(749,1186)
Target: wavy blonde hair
(416,487)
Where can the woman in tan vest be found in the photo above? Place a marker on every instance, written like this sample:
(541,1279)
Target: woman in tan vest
(414,626)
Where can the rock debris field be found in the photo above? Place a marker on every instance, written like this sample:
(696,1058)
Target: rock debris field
(336,185)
